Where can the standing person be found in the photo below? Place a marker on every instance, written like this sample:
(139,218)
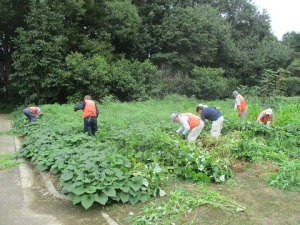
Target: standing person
(240,104)
(90,114)
(191,125)
(266,117)
(31,113)
(214,115)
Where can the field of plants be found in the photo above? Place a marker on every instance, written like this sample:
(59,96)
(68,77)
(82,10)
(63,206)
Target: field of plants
(135,155)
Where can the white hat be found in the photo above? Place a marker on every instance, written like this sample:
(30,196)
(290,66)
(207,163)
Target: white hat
(269,111)
(203,106)
(173,117)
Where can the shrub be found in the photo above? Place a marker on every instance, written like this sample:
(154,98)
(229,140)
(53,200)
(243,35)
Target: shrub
(290,85)
(208,83)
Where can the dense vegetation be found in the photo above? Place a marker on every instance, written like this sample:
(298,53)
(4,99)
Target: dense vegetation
(58,51)
(135,153)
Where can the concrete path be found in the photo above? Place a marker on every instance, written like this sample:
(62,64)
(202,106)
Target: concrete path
(13,208)
(16,189)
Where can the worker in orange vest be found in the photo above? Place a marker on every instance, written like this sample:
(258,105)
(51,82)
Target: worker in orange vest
(89,114)
(266,117)
(191,125)
(240,104)
(31,113)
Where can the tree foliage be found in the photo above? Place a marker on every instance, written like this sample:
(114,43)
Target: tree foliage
(130,37)
(39,57)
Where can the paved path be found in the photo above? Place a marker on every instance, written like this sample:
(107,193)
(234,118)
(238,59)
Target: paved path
(13,207)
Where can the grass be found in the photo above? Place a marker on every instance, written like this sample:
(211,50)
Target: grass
(8,161)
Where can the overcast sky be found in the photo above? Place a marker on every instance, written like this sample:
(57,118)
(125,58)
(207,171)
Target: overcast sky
(285,15)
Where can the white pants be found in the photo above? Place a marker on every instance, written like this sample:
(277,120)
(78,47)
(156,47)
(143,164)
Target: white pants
(195,132)
(244,113)
(216,127)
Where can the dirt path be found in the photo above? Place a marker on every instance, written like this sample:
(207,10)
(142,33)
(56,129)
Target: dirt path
(264,204)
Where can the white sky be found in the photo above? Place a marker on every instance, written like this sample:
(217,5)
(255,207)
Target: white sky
(284,14)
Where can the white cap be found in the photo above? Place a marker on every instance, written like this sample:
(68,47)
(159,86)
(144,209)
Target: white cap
(203,106)
(269,111)
(173,117)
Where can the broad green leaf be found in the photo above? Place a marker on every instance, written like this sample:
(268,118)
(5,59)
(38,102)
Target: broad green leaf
(91,189)
(109,191)
(143,197)
(77,199)
(133,200)
(118,172)
(42,166)
(101,198)
(87,200)
(124,197)
(53,170)
(67,176)
(145,182)
(136,183)
(79,190)
(125,189)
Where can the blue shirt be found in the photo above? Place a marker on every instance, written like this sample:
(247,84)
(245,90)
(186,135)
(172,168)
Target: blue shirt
(210,113)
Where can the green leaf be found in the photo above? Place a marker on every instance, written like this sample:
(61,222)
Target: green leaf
(110,191)
(77,199)
(133,200)
(66,176)
(124,197)
(145,182)
(79,190)
(143,197)
(91,189)
(42,166)
(118,172)
(125,189)
(136,183)
(101,198)
(87,200)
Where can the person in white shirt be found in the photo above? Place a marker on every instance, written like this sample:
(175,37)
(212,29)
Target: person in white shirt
(191,125)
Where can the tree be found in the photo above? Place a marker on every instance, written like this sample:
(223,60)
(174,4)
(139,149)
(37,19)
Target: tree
(39,55)
(12,13)
(292,40)
(187,38)
(86,75)
(245,19)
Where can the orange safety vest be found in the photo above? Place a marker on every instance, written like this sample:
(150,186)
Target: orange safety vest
(264,118)
(243,102)
(33,110)
(89,109)
(193,119)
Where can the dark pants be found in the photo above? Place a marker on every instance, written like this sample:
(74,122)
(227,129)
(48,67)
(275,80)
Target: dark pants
(90,125)
(29,115)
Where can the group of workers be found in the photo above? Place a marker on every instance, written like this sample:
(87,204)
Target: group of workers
(89,113)
(192,125)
